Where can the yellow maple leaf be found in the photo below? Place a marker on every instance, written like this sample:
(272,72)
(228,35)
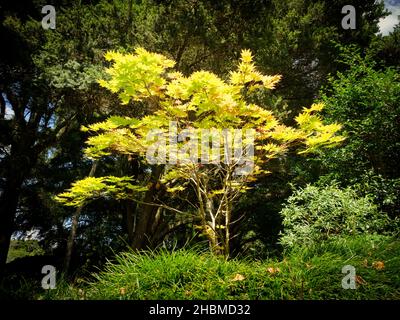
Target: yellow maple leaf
(246,56)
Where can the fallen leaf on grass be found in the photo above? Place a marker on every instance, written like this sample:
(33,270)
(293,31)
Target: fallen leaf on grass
(360,280)
(238,277)
(378,265)
(272,270)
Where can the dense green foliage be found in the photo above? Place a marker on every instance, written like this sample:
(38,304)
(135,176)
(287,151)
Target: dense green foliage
(366,99)
(314,214)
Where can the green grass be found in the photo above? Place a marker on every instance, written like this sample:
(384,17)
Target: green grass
(23,248)
(304,273)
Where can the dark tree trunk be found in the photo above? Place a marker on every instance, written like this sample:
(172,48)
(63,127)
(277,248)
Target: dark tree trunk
(130,220)
(146,214)
(71,238)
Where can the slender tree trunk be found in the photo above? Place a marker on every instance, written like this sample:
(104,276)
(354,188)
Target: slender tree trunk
(74,227)
(130,220)
(71,238)
(227,231)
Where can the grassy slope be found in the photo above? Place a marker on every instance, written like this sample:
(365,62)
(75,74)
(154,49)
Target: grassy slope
(304,273)
(23,248)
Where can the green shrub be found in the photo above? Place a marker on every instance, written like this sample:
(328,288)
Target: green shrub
(384,191)
(365,99)
(316,213)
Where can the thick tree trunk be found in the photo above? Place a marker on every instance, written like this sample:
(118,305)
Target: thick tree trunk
(146,214)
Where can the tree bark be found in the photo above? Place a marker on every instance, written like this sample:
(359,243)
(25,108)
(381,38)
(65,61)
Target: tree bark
(146,214)
(130,219)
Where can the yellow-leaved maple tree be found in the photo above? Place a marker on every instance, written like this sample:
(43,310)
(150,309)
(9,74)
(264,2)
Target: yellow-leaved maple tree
(202,132)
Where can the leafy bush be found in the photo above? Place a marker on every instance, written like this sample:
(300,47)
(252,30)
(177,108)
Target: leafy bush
(317,213)
(366,100)
(384,191)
